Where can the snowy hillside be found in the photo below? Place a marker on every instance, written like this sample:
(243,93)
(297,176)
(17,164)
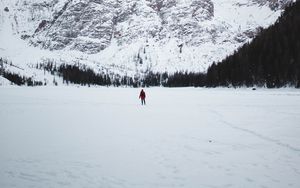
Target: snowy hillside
(4,82)
(131,36)
(183,138)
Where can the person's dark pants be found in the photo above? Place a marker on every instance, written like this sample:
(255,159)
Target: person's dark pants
(143,101)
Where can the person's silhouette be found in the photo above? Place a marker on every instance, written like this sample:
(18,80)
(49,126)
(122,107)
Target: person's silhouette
(143,97)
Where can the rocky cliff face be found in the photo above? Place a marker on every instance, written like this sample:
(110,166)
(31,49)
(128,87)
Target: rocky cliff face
(90,25)
(143,35)
(273,4)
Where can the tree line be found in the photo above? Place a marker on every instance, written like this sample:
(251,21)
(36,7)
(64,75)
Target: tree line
(16,78)
(83,75)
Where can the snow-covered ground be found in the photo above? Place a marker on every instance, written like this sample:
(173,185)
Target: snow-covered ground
(186,137)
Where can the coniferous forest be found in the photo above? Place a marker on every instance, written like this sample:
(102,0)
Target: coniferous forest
(271,59)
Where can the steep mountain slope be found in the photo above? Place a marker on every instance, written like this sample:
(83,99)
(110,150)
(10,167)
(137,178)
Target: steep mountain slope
(130,37)
(272,59)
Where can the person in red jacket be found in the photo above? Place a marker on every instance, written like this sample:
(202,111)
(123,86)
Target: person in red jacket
(143,97)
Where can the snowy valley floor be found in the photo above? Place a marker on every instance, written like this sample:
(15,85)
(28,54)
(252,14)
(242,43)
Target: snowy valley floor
(191,138)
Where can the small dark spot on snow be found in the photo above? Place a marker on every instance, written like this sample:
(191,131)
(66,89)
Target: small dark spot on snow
(6,9)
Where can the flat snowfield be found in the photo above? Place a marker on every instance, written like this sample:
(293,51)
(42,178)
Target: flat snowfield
(186,137)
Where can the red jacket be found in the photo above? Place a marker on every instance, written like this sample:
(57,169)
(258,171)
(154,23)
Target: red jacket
(142,95)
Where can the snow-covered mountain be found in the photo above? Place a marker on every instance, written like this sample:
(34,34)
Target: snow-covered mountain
(130,36)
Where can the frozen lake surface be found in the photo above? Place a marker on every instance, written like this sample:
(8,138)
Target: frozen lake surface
(185,137)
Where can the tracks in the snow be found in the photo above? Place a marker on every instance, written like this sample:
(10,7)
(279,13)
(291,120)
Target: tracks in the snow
(258,135)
